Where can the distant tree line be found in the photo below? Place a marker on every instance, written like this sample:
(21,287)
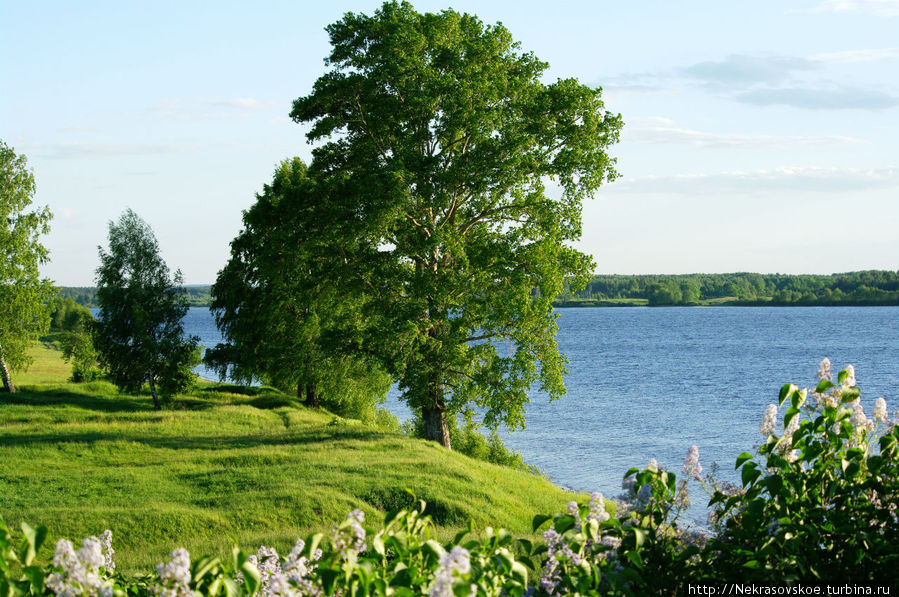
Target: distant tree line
(871,287)
(197,295)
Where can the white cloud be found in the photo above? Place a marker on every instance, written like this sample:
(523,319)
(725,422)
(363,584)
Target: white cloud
(857,55)
(208,109)
(92,150)
(744,70)
(820,98)
(674,135)
(880,8)
(239,102)
(813,179)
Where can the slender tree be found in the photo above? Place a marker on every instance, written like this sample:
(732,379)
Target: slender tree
(282,310)
(139,333)
(24,314)
(461,176)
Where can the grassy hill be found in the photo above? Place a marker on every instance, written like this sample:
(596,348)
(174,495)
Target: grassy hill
(227,461)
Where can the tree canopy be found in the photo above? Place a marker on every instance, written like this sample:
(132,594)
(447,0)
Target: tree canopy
(459,175)
(139,333)
(280,306)
(24,314)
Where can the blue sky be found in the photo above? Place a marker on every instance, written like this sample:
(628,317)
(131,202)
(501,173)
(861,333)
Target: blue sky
(760,136)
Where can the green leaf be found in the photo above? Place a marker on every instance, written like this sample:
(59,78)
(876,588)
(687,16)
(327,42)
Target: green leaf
(538,521)
(251,577)
(639,536)
(823,386)
(743,457)
(790,415)
(564,523)
(519,573)
(635,559)
(785,391)
(750,473)
(377,544)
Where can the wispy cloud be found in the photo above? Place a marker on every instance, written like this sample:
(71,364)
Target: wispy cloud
(880,8)
(675,135)
(206,109)
(778,179)
(743,70)
(93,150)
(820,98)
(849,56)
(243,103)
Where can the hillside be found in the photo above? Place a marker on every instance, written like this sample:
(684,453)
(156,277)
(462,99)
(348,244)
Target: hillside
(225,462)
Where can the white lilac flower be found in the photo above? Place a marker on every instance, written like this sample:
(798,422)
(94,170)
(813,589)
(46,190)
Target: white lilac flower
(354,540)
(79,572)
(858,419)
(610,541)
(653,465)
(793,456)
(692,467)
(597,508)
(850,379)
(824,370)
(108,551)
(769,421)
(456,560)
(572,508)
(880,410)
(174,576)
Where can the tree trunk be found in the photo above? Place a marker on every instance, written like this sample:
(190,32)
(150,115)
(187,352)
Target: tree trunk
(4,371)
(436,429)
(311,395)
(156,404)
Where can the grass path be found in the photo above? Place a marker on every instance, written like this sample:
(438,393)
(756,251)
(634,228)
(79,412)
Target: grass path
(225,462)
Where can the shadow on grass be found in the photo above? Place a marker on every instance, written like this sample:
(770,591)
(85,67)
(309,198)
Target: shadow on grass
(61,397)
(334,436)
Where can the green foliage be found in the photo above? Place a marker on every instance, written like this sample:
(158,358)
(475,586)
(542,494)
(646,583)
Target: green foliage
(466,439)
(67,315)
(77,346)
(139,334)
(872,287)
(284,315)
(439,135)
(23,295)
(822,505)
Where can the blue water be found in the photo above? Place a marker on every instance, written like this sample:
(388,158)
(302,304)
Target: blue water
(649,382)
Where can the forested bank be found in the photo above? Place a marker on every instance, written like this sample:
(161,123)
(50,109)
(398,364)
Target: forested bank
(870,287)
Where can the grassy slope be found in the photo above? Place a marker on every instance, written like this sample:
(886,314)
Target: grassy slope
(81,458)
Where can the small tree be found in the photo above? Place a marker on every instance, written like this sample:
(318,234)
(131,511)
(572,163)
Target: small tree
(23,295)
(279,302)
(139,333)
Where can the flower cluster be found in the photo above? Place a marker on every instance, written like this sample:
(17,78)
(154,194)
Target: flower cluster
(457,560)
(79,573)
(692,467)
(349,539)
(174,576)
(289,578)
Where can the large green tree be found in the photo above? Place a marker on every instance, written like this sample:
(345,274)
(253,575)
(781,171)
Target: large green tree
(460,174)
(24,314)
(139,334)
(280,306)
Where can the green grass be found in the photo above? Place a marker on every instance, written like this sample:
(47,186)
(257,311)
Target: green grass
(225,462)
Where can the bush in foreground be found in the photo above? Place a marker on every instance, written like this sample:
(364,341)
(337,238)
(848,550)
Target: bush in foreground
(821,508)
